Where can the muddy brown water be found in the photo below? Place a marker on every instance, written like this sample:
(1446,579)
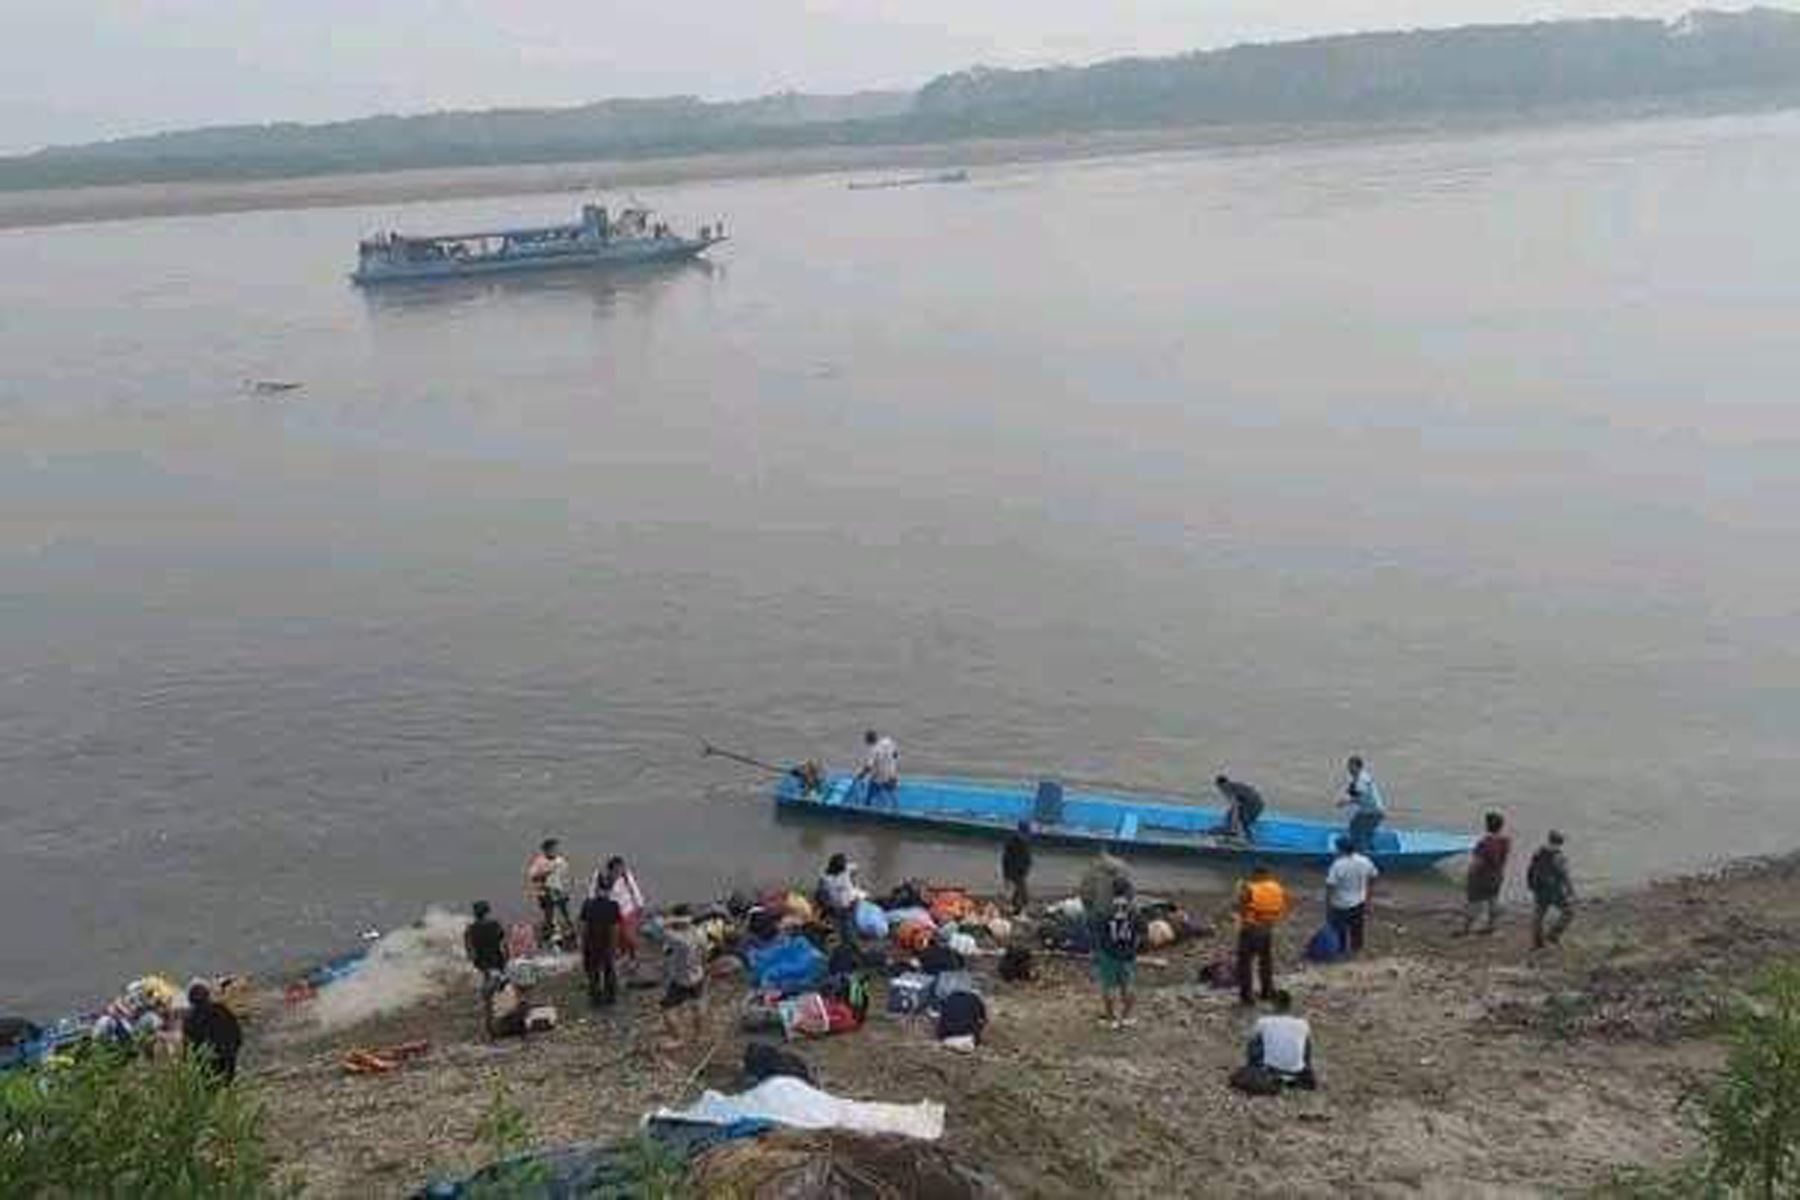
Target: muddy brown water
(1473,454)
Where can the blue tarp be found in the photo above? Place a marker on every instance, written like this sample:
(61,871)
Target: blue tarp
(789,962)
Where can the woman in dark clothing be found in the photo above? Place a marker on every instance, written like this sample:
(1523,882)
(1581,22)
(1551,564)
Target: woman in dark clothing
(212,1030)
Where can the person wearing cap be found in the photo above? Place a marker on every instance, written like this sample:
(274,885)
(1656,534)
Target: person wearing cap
(1551,888)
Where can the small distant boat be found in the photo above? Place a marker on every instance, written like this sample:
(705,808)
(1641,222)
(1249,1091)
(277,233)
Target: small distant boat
(871,185)
(1102,820)
(599,239)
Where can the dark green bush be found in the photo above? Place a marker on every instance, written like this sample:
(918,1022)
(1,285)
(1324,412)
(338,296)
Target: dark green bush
(115,1125)
(1751,1117)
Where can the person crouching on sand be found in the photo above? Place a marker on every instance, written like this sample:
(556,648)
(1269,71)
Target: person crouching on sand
(684,974)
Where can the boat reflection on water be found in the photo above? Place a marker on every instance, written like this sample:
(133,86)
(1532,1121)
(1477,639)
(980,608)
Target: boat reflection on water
(602,287)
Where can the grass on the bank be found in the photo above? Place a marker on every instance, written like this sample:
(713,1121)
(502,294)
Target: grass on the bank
(1749,1119)
(113,1124)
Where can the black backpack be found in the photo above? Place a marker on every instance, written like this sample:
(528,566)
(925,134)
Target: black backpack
(763,1061)
(1537,875)
(961,1014)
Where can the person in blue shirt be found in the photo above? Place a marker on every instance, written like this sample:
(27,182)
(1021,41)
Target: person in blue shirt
(1363,798)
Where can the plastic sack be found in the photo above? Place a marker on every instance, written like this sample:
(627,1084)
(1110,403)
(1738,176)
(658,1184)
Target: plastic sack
(1159,933)
(790,964)
(799,908)
(1325,946)
(914,936)
(871,922)
(805,1016)
(963,944)
(897,917)
(951,904)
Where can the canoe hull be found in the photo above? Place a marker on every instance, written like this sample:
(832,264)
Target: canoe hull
(1096,820)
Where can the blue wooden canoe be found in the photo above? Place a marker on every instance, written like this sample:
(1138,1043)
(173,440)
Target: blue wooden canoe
(1098,819)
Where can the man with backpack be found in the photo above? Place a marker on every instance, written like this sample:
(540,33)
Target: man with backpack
(1551,887)
(1120,936)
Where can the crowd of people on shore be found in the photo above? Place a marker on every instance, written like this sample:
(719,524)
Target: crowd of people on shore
(607,926)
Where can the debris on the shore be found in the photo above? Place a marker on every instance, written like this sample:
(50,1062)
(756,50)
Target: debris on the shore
(784,1100)
(380,1060)
(272,387)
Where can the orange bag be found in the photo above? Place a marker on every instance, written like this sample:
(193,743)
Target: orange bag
(951,904)
(914,936)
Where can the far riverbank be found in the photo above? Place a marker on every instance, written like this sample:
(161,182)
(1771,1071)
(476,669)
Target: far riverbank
(70,206)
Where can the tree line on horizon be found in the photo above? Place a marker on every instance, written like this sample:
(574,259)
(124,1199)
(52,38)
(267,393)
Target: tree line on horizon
(1750,57)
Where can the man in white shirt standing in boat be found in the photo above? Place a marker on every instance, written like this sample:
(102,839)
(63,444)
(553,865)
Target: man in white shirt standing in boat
(1363,798)
(880,770)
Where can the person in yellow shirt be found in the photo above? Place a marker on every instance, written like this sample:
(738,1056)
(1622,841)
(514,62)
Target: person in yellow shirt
(1261,905)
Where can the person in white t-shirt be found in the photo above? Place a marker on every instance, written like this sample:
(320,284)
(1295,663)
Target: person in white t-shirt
(1347,894)
(1281,1044)
(880,770)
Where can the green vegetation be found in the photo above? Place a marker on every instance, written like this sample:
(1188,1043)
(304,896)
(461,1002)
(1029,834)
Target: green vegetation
(1751,1117)
(1717,59)
(114,1125)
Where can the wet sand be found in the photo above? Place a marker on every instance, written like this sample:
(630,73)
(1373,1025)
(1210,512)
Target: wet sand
(1448,1064)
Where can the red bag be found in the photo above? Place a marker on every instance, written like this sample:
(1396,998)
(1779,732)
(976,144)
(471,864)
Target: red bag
(840,1015)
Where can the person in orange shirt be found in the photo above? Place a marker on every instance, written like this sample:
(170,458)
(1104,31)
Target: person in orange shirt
(1261,904)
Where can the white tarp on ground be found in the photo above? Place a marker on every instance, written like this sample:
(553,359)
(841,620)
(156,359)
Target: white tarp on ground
(788,1101)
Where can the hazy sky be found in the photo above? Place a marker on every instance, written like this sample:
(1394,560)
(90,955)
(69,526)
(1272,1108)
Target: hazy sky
(75,70)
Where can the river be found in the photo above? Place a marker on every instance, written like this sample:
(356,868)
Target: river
(1476,455)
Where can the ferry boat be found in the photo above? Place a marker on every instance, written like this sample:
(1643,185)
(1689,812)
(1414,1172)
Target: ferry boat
(599,239)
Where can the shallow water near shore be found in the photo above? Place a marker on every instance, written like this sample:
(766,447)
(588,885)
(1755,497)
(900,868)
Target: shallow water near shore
(1476,456)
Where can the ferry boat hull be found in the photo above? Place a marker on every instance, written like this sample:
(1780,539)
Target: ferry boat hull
(612,254)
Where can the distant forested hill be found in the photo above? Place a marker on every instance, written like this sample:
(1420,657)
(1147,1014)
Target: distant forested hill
(1750,57)
(1477,68)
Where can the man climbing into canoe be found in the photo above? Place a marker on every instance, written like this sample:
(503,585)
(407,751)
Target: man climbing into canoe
(1243,805)
(880,770)
(1363,798)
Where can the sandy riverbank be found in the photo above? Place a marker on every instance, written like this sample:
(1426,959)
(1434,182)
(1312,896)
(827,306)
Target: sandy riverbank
(1451,1065)
(65,206)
